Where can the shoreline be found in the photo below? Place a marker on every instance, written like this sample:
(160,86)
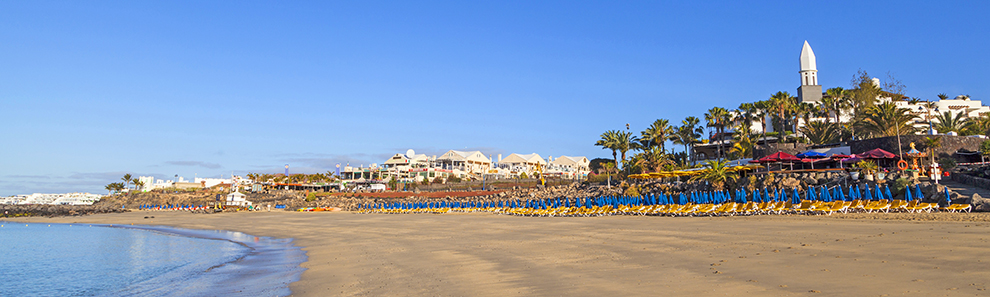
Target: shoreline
(263,270)
(484,254)
(264,266)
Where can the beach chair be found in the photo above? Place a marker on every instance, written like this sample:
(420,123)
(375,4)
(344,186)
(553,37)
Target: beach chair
(836,206)
(878,206)
(805,206)
(957,207)
(723,208)
(760,207)
(705,209)
(918,207)
(898,205)
(738,210)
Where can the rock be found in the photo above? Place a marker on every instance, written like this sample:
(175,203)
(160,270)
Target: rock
(789,183)
(980,203)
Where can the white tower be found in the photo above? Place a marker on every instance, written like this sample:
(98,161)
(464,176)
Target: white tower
(810,90)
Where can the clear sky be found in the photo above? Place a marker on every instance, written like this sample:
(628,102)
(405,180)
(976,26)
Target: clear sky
(90,90)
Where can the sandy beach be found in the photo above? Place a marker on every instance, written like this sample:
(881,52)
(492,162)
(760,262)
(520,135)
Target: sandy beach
(496,255)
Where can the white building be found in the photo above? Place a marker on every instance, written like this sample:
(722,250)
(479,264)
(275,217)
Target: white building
(465,163)
(925,111)
(517,164)
(237,199)
(209,182)
(408,160)
(574,166)
(53,199)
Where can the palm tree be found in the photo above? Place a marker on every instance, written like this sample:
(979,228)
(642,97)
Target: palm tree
(127,179)
(109,187)
(942,96)
(949,123)
(886,119)
(835,101)
(743,147)
(609,140)
(687,135)
(625,142)
(805,111)
(780,105)
(138,184)
(652,159)
(745,115)
(718,118)
(762,111)
(932,144)
(979,125)
(821,132)
(717,174)
(657,134)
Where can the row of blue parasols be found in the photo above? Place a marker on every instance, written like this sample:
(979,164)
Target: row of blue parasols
(168,206)
(699,197)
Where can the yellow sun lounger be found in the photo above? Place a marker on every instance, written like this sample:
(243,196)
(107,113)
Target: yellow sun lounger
(959,207)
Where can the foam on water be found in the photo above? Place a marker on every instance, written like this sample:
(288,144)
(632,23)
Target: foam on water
(98,260)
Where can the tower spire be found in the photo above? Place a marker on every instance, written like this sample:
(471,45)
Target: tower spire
(808,58)
(810,90)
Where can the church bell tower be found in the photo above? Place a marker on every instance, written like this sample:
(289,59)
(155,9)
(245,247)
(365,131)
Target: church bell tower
(809,91)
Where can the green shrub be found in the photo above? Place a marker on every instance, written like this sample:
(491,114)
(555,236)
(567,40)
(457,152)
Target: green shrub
(597,178)
(899,185)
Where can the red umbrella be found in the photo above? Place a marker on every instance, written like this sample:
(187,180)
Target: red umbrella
(780,157)
(877,154)
(840,156)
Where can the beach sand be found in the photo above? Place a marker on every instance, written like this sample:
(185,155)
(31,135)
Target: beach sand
(498,255)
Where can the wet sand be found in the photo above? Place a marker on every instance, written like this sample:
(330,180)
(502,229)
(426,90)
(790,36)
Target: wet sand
(496,255)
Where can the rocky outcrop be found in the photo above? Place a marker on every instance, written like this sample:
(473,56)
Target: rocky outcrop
(56,210)
(979,203)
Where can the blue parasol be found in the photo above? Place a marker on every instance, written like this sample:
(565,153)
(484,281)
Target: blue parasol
(868,195)
(795,197)
(948,200)
(886,193)
(907,194)
(810,154)
(811,194)
(917,193)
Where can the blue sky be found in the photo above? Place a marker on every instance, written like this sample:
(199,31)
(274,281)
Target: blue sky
(91,90)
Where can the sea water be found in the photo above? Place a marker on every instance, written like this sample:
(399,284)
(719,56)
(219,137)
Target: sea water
(102,260)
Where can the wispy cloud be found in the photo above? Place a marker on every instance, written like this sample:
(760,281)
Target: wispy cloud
(28,176)
(98,175)
(194,164)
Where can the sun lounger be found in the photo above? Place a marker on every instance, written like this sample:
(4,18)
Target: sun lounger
(959,207)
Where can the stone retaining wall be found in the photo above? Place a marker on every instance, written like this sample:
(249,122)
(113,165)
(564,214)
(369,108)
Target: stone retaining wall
(971,180)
